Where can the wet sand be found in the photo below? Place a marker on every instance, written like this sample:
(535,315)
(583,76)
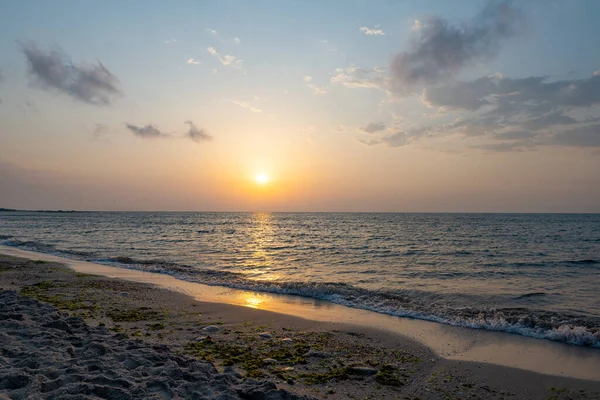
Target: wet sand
(332,352)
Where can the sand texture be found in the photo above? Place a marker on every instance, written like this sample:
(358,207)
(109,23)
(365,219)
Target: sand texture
(46,354)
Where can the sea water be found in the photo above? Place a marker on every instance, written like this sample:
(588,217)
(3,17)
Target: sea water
(533,274)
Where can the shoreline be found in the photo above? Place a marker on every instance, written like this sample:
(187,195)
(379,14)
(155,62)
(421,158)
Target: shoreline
(179,320)
(446,341)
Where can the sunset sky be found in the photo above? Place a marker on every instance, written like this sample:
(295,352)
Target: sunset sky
(433,106)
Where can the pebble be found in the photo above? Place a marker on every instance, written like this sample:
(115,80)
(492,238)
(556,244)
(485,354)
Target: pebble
(201,338)
(287,341)
(265,335)
(270,361)
(124,294)
(211,329)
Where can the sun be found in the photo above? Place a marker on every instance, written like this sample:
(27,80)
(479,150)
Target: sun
(261,179)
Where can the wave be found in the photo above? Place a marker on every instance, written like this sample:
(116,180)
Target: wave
(528,295)
(46,248)
(556,326)
(568,328)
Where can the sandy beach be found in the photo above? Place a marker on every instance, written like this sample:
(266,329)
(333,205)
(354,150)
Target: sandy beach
(241,352)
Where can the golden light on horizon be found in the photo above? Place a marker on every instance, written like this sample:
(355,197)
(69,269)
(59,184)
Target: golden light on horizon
(261,179)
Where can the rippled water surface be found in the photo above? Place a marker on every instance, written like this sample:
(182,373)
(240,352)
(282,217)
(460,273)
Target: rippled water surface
(537,275)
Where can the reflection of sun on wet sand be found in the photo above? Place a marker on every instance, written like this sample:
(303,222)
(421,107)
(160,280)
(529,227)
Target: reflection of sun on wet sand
(123,327)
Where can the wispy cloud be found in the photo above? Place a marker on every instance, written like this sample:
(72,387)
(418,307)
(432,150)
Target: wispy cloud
(100,131)
(146,132)
(237,40)
(89,83)
(212,31)
(355,77)
(317,89)
(247,105)
(373,127)
(307,78)
(440,49)
(193,62)
(196,134)
(170,41)
(375,31)
(150,131)
(372,142)
(225,59)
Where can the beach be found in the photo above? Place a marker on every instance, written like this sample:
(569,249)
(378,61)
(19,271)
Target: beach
(240,350)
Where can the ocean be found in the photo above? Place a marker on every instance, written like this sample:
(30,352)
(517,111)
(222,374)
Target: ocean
(536,275)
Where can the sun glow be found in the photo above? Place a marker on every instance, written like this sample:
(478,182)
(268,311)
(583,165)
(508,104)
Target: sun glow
(261,179)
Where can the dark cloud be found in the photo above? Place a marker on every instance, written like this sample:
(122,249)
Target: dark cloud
(440,50)
(533,94)
(147,132)
(373,127)
(89,83)
(587,136)
(152,132)
(545,121)
(197,135)
(524,108)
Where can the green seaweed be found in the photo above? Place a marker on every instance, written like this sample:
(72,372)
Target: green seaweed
(139,314)
(319,378)
(156,326)
(387,376)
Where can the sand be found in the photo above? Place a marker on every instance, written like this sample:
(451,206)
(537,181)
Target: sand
(52,332)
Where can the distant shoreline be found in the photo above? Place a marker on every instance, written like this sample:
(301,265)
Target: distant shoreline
(302,212)
(40,211)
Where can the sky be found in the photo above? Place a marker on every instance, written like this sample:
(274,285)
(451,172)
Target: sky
(235,105)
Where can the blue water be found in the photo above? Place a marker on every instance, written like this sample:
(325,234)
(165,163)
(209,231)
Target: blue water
(536,275)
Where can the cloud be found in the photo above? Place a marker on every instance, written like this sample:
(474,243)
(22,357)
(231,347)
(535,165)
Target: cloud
(146,132)
(237,40)
(317,89)
(197,135)
(307,78)
(152,132)
(396,140)
(247,105)
(2,78)
(373,127)
(504,147)
(212,31)
(193,62)
(100,131)
(89,83)
(355,77)
(375,31)
(372,142)
(225,59)
(507,94)
(597,72)
(170,41)
(587,136)
(439,50)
